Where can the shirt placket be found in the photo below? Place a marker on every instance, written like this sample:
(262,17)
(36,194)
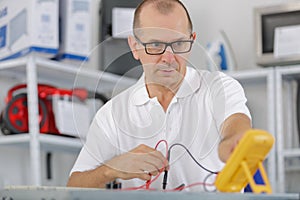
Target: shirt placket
(173,118)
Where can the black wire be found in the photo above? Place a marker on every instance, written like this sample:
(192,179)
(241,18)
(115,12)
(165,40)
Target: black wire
(204,185)
(190,154)
(178,144)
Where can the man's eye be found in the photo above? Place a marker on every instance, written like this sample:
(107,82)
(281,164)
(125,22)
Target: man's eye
(156,45)
(179,43)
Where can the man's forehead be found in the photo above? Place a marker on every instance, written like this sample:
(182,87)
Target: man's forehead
(161,32)
(153,21)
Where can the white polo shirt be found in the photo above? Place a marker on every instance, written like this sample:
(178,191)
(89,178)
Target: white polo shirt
(193,118)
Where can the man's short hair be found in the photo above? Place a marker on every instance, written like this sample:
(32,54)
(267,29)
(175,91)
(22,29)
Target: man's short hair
(162,6)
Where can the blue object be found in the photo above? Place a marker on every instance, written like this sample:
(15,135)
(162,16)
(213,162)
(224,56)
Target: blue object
(2,36)
(222,54)
(258,180)
(28,50)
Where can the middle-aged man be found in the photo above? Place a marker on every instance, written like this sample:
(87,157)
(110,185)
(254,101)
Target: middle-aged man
(200,110)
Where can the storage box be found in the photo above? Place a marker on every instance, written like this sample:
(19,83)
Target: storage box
(28,26)
(75,29)
(72,117)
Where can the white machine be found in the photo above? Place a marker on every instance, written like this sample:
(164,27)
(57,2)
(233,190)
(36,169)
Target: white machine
(220,54)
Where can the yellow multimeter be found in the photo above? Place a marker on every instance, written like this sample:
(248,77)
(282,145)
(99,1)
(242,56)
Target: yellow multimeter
(245,160)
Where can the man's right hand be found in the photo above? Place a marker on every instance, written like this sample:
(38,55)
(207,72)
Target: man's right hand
(141,162)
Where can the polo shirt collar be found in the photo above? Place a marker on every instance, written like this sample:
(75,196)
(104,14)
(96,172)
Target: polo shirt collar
(190,84)
(139,95)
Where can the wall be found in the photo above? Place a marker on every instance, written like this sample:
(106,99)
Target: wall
(235,17)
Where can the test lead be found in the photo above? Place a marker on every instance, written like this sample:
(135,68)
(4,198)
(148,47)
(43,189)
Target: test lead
(180,187)
(165,180)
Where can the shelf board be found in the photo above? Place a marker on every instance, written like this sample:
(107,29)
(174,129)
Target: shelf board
(14,139)
(67,75)
(48,142)
(251,75)
(60,143)
(13,63)
(289,72)
(291,153)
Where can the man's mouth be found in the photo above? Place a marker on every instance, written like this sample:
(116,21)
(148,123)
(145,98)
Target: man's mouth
(167,70)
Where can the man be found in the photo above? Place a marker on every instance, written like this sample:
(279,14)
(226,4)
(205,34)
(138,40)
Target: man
(205,112)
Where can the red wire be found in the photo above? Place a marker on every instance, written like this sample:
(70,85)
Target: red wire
(146,186)
(149,182)
(191,185)
(171,190)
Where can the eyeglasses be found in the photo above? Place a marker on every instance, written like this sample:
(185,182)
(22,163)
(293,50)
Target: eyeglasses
(158,48)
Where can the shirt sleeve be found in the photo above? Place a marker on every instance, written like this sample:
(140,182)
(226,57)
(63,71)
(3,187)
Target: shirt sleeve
(228,98)
(100,143)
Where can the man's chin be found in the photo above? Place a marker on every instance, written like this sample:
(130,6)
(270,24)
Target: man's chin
(168,82)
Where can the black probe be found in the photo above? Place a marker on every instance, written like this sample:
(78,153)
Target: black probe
(165,179)
(169,155)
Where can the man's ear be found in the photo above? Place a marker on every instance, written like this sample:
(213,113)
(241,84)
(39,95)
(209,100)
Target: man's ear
(133,46)
(194,36)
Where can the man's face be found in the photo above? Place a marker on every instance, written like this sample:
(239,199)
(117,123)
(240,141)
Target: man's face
(167,69)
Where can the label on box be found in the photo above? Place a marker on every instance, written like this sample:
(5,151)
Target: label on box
(287,41)
(122,20)
(46,23)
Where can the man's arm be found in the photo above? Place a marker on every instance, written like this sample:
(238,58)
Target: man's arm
(96,178)
(141,162)
(232,131)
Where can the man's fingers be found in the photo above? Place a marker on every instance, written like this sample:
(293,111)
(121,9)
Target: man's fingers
(144,176)
(141,162)
(158,162)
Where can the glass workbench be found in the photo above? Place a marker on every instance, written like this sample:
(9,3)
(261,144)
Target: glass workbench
(54,193)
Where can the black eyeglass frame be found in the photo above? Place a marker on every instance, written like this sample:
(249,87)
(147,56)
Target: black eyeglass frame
(166,46)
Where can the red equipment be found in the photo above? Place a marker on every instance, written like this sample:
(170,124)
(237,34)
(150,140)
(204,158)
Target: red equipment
(14,118)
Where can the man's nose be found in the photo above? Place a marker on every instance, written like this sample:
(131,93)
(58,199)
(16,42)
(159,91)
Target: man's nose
(168,55)
(169,49)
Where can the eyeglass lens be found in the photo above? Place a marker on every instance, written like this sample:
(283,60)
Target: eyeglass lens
(160,47)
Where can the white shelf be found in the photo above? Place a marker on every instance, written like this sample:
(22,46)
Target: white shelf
(289,71)
(251,75)
(14,139)
(67,75)
(48,142)
(290,153)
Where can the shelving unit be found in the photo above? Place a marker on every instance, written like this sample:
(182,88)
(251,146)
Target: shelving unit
(285,121)
(264,78)
(33,70)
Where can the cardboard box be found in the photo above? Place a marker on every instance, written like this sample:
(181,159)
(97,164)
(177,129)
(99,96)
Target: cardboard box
(75,29)
(28,26)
